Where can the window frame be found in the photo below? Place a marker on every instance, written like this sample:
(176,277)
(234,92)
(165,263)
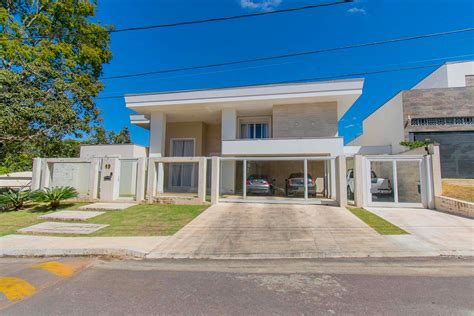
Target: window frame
(254,120)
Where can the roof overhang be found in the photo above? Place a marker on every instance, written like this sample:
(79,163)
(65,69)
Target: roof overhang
(344,92)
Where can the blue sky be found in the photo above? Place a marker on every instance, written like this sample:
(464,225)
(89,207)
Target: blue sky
(358,22)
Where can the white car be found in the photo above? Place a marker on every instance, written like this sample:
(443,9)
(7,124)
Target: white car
(380,186)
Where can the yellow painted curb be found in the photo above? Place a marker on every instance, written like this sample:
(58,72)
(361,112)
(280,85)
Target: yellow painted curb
(15,288)
(57,268)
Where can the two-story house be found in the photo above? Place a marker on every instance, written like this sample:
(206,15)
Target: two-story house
(266,135)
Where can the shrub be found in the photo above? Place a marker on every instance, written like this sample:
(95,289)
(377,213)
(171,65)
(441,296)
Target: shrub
(15,199)
(54,195)
(416,143)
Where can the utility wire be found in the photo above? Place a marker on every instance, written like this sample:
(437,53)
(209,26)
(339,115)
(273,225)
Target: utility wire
(308,79)
(305,53)
(209,20)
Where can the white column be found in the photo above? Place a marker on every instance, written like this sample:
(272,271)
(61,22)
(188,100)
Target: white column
(158,144)
(358,181)
(202,179)
(141,180)
(94,178)
(228,176)
(46,174)
(305,177)
(244,179)
(151,187)
(341,180)
(332,178)
(215,180)
(229,124)
(36,174)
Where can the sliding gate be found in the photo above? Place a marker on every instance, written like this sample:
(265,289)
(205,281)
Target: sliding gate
(398,181)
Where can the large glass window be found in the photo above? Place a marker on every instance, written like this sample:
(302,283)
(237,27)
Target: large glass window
(256,129)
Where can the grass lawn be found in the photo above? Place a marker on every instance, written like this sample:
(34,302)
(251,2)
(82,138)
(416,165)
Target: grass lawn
(147,220)
(138,220)
(380,225)
(462,189)
(10,221)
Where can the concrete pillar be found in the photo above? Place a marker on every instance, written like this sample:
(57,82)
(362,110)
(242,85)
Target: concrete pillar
(151,178)
(436,170)
(141,179)
(358,181)
(158,144)
(229,124)
(215,180)
(332,179)
(45,174)
(109,182)
(36,174)
(202,179)
(94,179)
(341,182)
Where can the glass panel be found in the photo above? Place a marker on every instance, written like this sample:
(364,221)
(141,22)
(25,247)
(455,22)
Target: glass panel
(178,148)
(188,150)
(350,179)
(381,181)
(265,131)
(180,178)
(75,174)
(317,179)
(128,178)
(231,179)
(408,182)
(274,180)
(258,131)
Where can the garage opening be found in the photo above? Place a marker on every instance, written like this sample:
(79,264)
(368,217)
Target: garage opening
(278,180)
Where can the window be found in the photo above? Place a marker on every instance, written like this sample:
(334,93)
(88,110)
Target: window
(256,128)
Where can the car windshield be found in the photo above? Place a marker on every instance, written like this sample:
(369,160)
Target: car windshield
(299,175)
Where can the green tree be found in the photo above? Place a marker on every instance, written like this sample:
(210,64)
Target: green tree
(51,58)
(101,136)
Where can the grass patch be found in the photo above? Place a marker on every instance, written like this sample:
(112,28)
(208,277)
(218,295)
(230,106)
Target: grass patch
(146,220)
(380,225)
(462,189)
(11,221)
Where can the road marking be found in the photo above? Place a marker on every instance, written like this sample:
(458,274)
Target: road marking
(15,288)
(57,268)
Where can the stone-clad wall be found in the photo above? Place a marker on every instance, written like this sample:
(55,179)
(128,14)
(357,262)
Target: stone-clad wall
(454,206)
(431,103)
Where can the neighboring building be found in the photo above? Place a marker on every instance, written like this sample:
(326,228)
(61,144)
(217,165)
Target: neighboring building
(113,150)
(439,108)
(274,122)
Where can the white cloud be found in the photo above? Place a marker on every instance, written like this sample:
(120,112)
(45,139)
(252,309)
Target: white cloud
(263,5)
(356,10)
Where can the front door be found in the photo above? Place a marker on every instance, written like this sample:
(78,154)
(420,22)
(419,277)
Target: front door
(182,174)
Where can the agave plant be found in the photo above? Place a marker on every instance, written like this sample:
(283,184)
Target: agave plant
(54,195)
(15,199)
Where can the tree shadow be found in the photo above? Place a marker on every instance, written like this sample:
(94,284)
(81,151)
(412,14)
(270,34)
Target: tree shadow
(43,208)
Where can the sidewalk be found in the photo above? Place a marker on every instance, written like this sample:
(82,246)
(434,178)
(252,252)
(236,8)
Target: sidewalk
(38,246)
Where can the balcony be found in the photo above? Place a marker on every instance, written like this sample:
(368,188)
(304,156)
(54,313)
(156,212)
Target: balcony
(332,146)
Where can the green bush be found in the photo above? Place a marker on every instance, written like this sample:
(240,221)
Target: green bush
(416,143)
(54,195)
(15,199)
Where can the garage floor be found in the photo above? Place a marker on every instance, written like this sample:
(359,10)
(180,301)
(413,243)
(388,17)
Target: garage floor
(237,230)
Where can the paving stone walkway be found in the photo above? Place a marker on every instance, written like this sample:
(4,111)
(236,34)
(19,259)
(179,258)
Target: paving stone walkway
(62,228)
(107,206)
(72,215)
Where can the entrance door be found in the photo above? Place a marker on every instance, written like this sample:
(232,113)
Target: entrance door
(182,174)
(395,182)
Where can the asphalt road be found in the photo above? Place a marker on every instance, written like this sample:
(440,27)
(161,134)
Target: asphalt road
(442,286)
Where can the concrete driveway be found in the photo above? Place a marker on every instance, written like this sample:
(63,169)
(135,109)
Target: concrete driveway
(276,231)
(431,230)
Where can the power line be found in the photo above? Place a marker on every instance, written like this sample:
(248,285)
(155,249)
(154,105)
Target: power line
(308,79)
(305,53)
(209,20)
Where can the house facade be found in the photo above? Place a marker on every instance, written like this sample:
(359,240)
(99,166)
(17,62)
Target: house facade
(265,136)
(439,108)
